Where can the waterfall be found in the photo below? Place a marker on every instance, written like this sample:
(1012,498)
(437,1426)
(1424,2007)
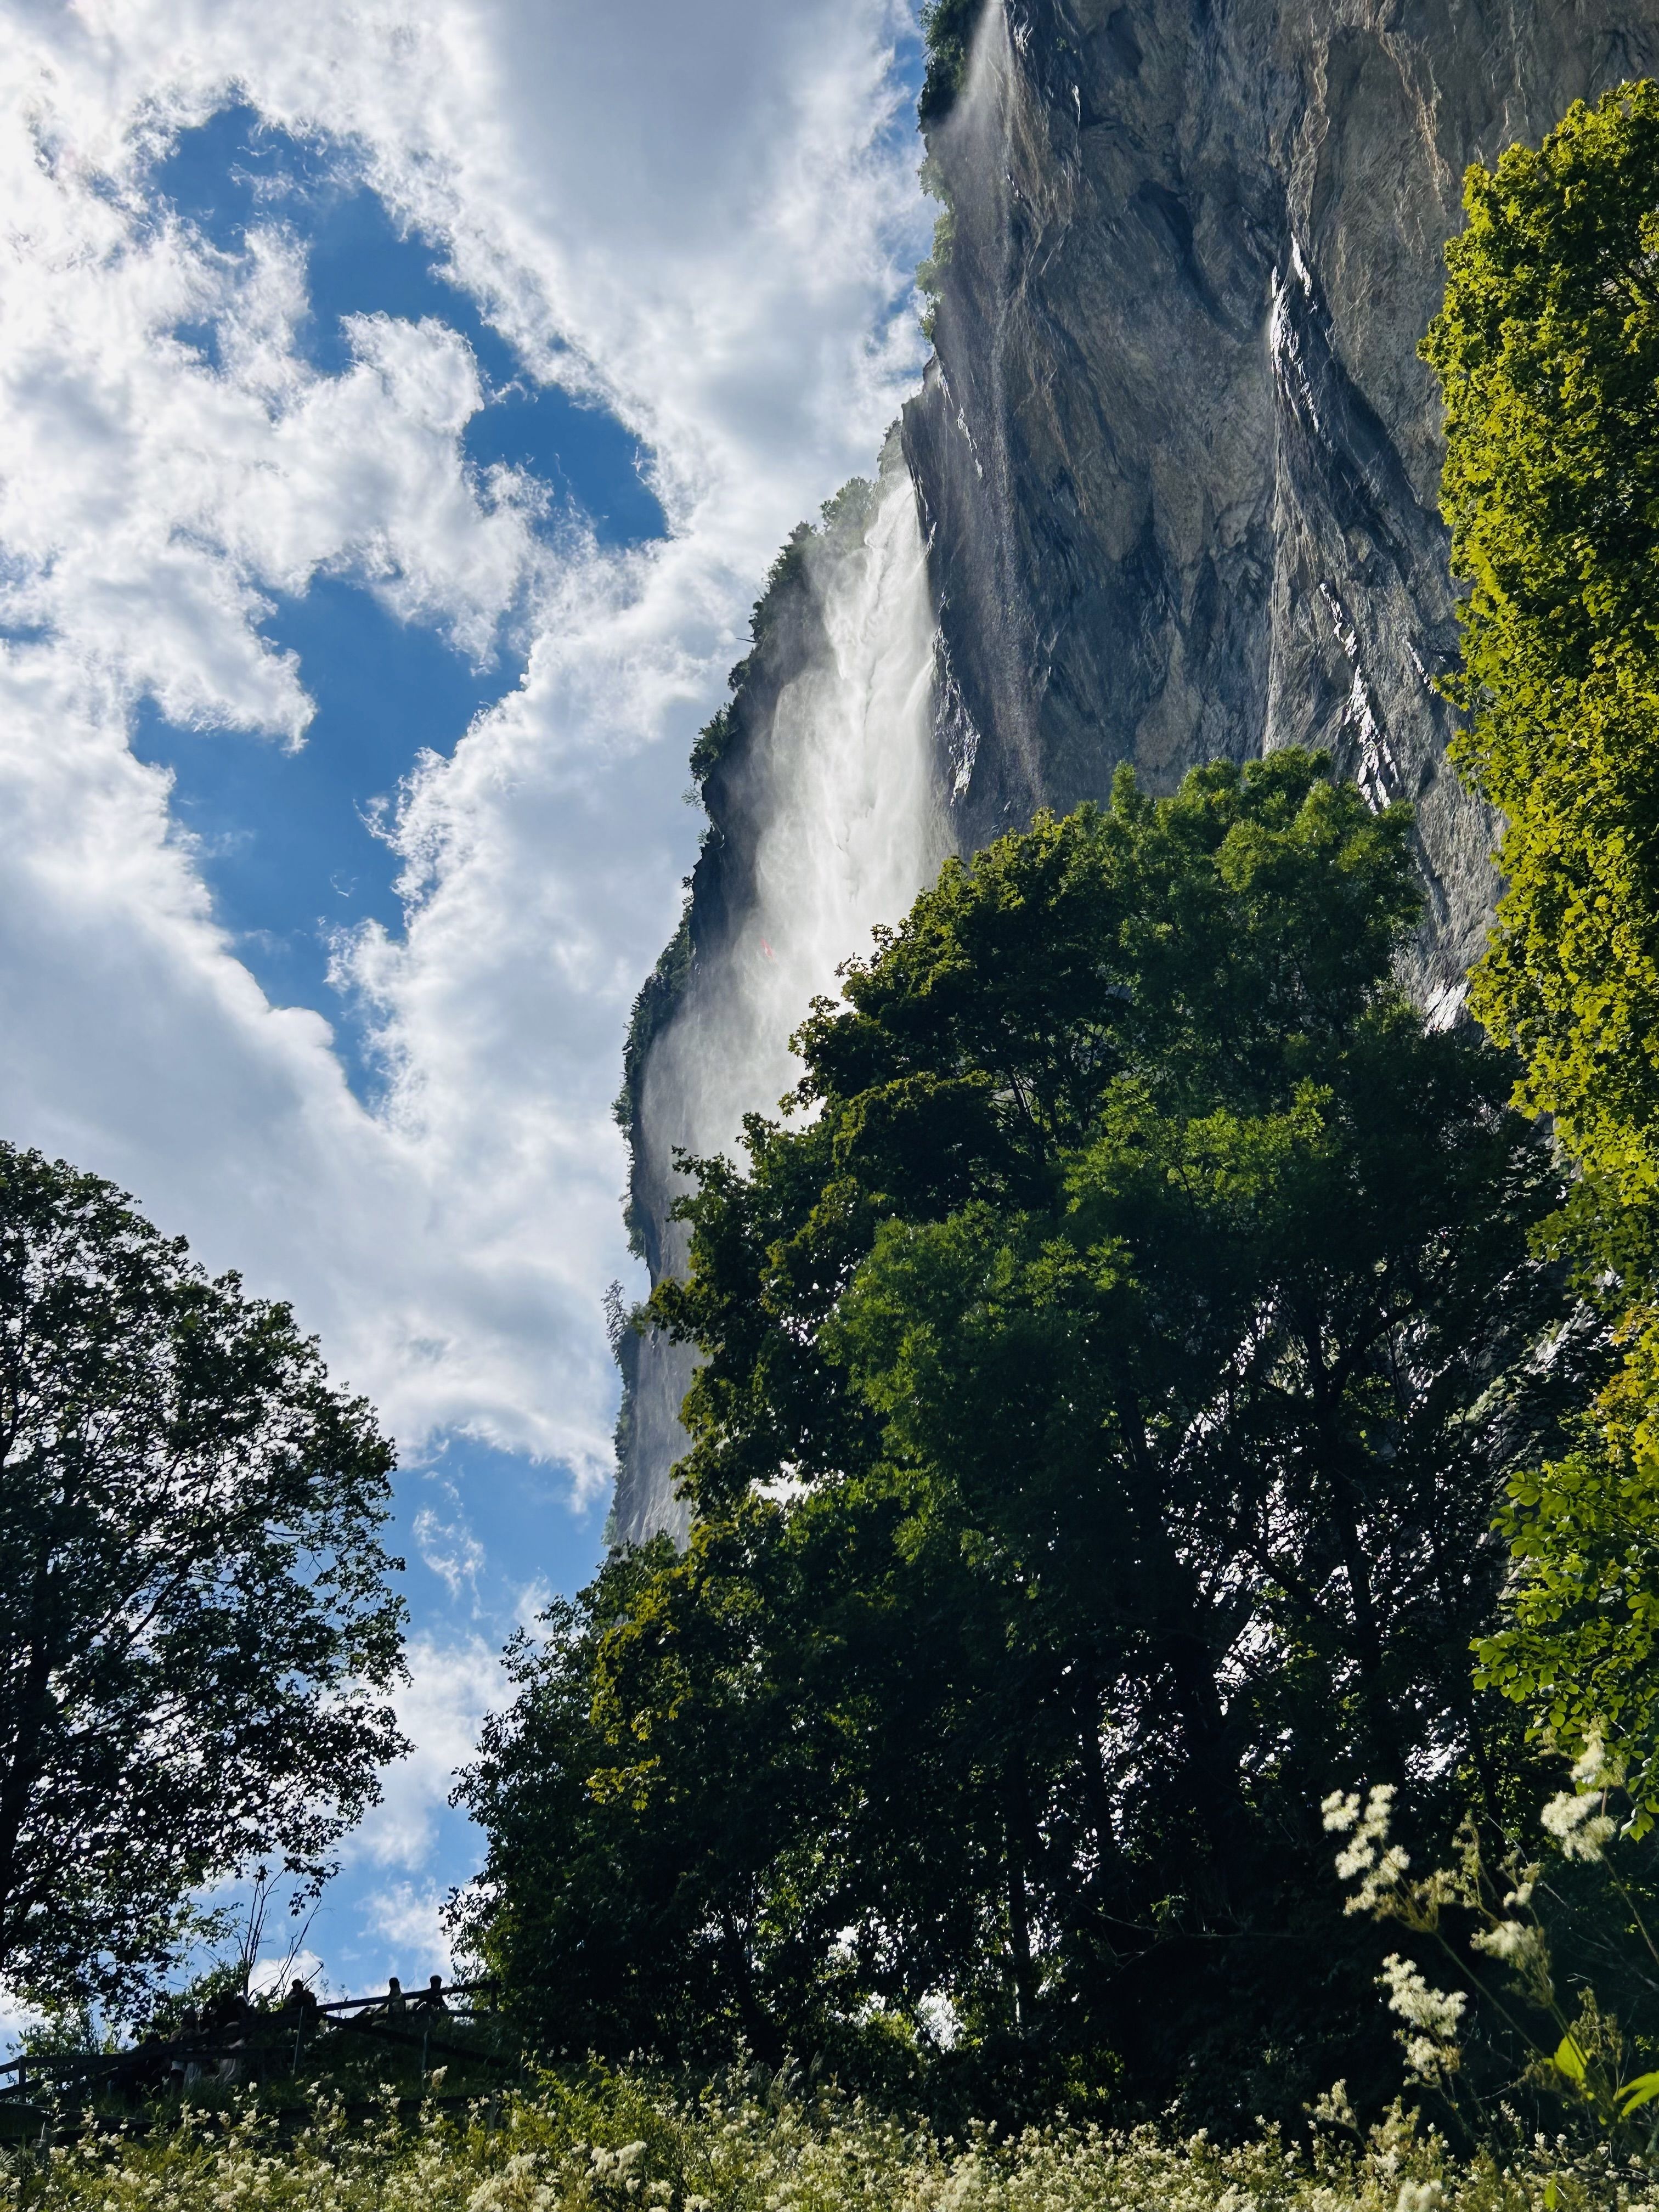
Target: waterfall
(840,810)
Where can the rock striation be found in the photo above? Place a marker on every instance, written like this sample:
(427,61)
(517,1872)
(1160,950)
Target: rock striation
(1174,464)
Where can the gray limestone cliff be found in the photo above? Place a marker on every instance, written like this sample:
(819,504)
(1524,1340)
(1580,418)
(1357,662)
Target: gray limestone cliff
(1174,468)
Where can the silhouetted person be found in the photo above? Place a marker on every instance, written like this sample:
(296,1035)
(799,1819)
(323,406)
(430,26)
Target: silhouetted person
(432,1997)
(190,2031)
(396,2004)
(227,2011)
(146,2071)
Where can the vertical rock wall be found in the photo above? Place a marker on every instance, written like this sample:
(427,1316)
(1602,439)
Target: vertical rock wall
(1176,454)
(1174,467)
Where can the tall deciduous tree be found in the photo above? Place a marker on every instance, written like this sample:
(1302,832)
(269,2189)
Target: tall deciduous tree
(196,1633)
(1108,1380)
(1547,352)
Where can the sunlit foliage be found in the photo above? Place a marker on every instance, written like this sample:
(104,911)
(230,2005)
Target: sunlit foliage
(1547,352)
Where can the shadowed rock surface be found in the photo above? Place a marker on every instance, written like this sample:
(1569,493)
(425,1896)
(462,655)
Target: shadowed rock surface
(1176,458)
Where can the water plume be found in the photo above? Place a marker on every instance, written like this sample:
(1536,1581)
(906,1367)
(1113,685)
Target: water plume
(829,818)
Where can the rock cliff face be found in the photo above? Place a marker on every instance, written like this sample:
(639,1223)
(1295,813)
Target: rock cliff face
(1174,467)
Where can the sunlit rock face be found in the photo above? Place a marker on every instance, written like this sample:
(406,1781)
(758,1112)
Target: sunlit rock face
(1170,496)
(1177,455)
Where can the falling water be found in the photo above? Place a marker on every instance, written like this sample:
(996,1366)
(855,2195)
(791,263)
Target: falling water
(844,791)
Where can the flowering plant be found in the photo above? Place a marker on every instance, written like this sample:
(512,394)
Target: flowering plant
(1475,1912)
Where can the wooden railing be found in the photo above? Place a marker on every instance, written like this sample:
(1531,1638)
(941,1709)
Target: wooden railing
(244,2045)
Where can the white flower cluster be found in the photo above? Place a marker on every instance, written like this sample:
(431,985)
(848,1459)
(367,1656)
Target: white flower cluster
(1380,1865)
(1578,1818)
(1515,1942)
(729,2151)
(1433,2018)
(1420,2197)
(517,2188)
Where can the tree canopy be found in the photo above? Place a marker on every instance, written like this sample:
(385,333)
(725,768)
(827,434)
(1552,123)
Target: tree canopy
(196,1633)
(1110,1365)
(1547,352)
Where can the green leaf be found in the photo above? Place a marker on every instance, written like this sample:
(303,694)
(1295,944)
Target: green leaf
(1569,2060)
(1641,2091)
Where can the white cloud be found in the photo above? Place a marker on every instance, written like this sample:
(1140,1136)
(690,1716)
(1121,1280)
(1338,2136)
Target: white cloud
(702,216)
(410,1922)
(448,1548)
(451,1688)
(277,1975)
(17,2019)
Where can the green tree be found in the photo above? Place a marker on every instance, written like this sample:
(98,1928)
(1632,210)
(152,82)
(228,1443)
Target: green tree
(196,1636)
(947,29)
(1108,1375)
(1547,352)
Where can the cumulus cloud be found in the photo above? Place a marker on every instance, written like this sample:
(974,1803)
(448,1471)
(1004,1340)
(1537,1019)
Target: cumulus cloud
(703,218)
(17,2019)
(451,1686)
(410,1921)
(274,1976)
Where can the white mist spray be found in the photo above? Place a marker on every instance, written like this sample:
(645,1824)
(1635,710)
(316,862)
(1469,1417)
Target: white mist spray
(851,829)
(843,788)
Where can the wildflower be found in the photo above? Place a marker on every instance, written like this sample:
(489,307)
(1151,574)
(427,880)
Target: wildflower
(1432,2053)
(1341,1810)
(1437,2011)
(1334,2109)
(1581,1831)
(1514,1943)
(1595,1770)
(1381,1866)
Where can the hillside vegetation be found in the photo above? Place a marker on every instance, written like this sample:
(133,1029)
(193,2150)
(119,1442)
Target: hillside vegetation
(612,2143)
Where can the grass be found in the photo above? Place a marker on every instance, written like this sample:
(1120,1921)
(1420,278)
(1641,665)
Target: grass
(599,2140)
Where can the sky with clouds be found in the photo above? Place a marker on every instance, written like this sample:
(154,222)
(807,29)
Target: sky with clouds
(402,405)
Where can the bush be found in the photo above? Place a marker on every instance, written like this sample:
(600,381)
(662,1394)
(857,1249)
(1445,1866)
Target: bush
(948,28)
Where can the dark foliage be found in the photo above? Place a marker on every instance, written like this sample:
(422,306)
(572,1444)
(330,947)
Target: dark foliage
(196,1635)
(1106,1395)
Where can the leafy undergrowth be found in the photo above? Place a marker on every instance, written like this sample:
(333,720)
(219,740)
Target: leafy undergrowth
(607,2141)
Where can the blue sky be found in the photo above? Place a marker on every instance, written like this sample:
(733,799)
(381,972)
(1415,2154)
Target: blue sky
(289,833)
(401,416)
(291,848)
